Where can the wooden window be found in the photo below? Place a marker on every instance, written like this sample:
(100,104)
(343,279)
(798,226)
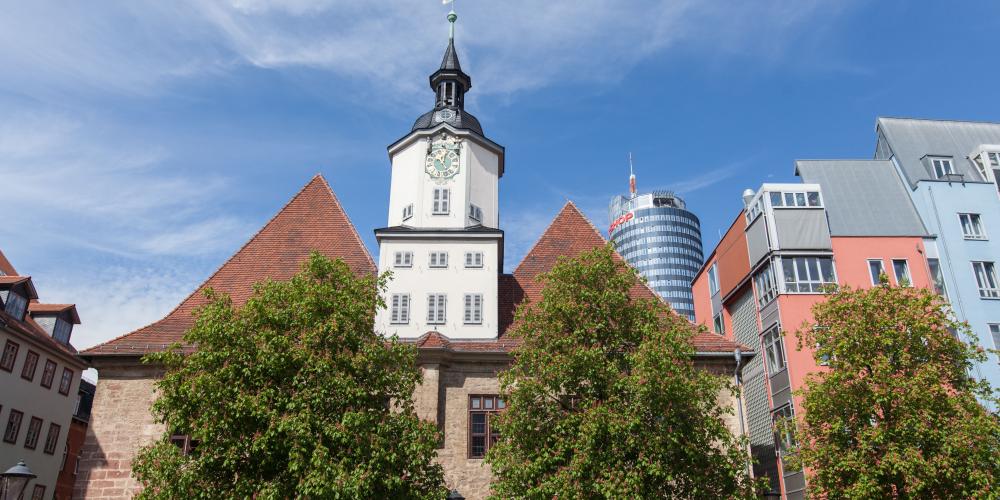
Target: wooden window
(66,381)
(482,433)
(52,439)
(9,355)
(473,259)
(437,304)
(438,260)
(34,430)
(400,311)
(13,426)
(184,443)
(30,363)
(402,259)
(48,373)
(441,202)
(38,493)
(473,309)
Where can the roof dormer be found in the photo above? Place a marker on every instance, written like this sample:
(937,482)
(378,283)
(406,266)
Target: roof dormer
(15,292)
(56,319)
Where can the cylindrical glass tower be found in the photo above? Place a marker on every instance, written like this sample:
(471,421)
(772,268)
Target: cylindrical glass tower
(658,236)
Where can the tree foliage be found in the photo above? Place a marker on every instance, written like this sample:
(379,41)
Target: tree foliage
(896,416)
(292,395)
(603,398)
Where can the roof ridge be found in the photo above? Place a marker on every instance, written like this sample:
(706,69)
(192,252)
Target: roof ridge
(568,204)
(227,261)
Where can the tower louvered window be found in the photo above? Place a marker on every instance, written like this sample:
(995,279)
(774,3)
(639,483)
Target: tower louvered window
(442,201)
(400,310)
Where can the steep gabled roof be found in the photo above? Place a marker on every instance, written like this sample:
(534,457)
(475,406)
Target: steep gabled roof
(312,221)
(569,235)
(5,266)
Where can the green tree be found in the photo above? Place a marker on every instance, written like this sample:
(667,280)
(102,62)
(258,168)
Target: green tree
(292,395)
(896,415)
(603,398)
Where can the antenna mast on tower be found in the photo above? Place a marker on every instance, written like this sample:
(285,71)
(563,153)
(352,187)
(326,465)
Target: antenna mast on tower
(631,178)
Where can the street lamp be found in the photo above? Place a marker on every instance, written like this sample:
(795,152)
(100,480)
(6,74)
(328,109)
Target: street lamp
(455,495)
(16,480)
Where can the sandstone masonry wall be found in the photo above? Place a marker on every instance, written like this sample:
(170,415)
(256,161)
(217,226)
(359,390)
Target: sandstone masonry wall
(121,423)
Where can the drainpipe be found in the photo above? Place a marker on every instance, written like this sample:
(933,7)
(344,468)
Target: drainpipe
(738,354)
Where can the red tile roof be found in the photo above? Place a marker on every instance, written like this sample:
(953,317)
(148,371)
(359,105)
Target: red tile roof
(5,266)
(312,221)
(38,307)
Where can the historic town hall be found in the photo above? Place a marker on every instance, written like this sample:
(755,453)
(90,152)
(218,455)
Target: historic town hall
(449,294)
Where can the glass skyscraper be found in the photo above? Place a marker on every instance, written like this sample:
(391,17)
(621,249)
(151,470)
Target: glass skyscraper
(657,235)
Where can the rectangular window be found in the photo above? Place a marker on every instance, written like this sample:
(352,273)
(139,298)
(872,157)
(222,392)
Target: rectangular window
(442,201)
(995,333)
(184,443)
(438,259)
(807,274)
(774,349)
(437,304)
(986,279)
(48,373)
(942,167)
(475,213)
(482,434)
(764,281)
(473,259)
(937,277)
(713,280)
(719,325)
(408,211)
(876,269)
(34,429)
(52,439)
(16,305)
(473,309)
(784,425)
(902,271)
(13,426)
(66,381)
(400,311)
(402,259)
(30,363)
(9,356)
(795,199)
(38,493)
(62,331)
(972,226)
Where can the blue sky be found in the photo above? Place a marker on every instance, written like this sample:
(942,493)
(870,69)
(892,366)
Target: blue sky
(141,143)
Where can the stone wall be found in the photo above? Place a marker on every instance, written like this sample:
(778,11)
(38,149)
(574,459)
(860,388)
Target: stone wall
(120,423)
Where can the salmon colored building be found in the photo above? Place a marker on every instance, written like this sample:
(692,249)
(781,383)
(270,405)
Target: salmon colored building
(847,224)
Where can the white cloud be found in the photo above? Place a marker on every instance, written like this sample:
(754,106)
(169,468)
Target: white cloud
(389,45)
(116,199)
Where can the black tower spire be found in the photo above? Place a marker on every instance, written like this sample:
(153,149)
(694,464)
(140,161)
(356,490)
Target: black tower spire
(449,84)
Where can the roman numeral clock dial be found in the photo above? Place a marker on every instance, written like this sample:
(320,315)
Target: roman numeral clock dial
(443,159)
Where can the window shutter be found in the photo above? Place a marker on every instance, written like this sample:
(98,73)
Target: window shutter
(437,200)
(399,258)
(477,308)
(479,259)
(468,259)
(445,200)
(404,309)
(431,302)
(442,301)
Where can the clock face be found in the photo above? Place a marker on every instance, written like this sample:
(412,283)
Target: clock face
(443,160)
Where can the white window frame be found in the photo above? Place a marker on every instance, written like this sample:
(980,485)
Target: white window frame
(943,173)
(400,309)
(937,278)
(408,212)
(713,280)
(719,324)
(437,260)
(774,350)
(814,285)
(906,270)
(766,287)
(437,308)
(974,223)
(473,311)
(475,213)
(881,265)
(994,329)
(473,260)
(795,199)
(441,201)
(402,259)
(989,273)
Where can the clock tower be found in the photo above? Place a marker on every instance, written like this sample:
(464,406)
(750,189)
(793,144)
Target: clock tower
(442,242)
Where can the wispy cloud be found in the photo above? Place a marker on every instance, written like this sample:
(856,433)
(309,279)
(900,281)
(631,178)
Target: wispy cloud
(508,46)
(707,179)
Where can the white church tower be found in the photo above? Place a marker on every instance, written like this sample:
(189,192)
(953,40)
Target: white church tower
(443,243)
